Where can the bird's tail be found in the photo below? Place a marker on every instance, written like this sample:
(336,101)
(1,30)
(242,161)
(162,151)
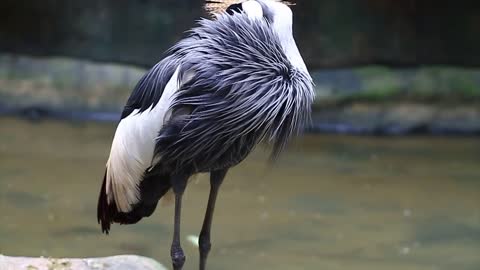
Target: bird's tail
(152,189)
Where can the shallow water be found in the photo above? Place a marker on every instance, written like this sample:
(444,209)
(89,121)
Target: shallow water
(330,202)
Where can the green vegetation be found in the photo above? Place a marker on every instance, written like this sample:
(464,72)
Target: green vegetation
(442,85)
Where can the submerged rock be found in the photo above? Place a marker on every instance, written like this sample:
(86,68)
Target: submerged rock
(398,119)
(123,262)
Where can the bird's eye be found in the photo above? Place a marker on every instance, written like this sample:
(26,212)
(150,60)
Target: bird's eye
(235,8)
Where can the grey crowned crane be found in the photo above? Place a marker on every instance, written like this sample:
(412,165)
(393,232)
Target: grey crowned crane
(237,80)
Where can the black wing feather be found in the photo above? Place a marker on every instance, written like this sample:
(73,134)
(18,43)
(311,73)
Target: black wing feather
(149,89)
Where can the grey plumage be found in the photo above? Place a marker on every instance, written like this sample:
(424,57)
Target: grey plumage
(244,90)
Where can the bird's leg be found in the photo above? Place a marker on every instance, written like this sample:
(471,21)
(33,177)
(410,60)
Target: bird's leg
(179,182)
(216,179)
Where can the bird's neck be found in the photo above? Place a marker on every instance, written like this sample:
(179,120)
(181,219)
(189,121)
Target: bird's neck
(293,54)
(283,27)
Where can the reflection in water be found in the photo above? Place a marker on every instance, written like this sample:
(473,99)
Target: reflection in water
(328,203)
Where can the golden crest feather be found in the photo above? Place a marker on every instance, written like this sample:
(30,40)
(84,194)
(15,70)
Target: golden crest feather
(218,6)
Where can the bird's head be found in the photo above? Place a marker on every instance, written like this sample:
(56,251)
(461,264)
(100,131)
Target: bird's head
(276,13)
(251,7)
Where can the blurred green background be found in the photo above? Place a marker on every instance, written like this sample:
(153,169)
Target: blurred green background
(391,56)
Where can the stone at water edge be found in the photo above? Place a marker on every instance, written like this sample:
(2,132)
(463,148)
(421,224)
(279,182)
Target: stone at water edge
(122,262)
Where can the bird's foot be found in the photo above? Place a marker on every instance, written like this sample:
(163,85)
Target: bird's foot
(178,258)
(204,248)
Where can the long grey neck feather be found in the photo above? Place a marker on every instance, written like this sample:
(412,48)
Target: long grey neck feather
(283,27)
(293,54)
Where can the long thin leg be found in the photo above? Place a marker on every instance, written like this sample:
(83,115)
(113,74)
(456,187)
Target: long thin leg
(216,179)
(178,257)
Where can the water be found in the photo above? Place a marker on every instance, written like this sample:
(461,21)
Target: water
(330,202)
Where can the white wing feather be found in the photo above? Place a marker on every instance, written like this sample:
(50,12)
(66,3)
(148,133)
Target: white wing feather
(132,149)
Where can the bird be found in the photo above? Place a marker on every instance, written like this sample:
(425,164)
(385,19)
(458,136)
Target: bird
(236,80)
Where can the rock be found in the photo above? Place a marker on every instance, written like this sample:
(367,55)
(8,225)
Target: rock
(122,262)
(361,100)
(398,119)
(39,86)
(460,120)
(65,84)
